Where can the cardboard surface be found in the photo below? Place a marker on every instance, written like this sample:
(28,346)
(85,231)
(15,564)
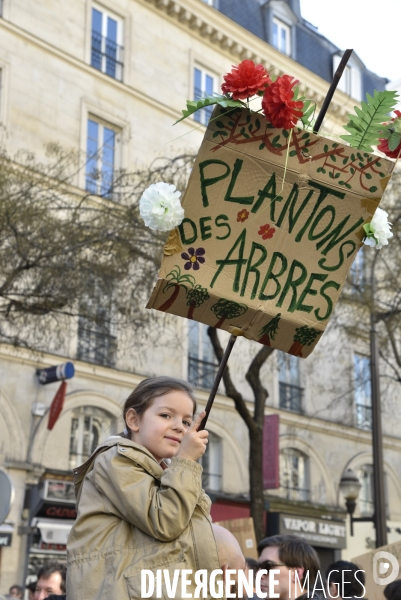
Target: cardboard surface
(273,221)
(243,531)
(383,562)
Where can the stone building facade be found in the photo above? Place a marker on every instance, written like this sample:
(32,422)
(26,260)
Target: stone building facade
(117,74)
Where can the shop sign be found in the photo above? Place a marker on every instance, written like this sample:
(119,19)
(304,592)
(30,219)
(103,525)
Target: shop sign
(326,533)
(59,491)
(5,539)
(56,511)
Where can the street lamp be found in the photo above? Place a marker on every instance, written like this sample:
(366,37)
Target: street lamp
(349,487)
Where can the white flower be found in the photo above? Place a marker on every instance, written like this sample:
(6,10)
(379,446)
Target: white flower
(378,230)
(160,206)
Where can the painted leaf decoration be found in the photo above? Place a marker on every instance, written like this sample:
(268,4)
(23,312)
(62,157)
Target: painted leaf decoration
(366,126)
(194,105)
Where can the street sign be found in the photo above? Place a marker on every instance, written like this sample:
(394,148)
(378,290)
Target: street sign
(56,373)
(6,495)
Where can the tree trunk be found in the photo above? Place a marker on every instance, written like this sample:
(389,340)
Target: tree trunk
(265,340)
(256,481)
(168,303)
(191,310)
(296,349)
(220,323)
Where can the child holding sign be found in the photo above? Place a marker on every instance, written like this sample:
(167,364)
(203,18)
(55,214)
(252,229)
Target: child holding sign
(134,511)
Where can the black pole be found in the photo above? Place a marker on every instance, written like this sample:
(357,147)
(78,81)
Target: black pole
(332,89)
(217,380)
(377,440)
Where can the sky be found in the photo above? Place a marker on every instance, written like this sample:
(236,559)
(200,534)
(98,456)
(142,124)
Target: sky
(372,29)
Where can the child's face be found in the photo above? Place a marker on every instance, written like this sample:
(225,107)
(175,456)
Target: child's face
(162,426)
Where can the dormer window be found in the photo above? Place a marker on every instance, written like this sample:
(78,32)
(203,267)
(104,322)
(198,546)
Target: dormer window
(281,36)
(351,79)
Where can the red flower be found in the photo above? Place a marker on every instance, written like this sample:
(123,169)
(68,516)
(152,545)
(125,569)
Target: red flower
(279,105)
(245,80)
(266,231)
(383,146)
(242,215)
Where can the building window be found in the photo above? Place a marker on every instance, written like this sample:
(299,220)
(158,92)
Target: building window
(202,367)
(294,478)
(357,272)
(96,343)
(290,392)
(101,148)
(89,425)
(209,2)
(211,462)
(351,79)
(281,36)
(204,85)
(366,498)
(107,50)
(363,396)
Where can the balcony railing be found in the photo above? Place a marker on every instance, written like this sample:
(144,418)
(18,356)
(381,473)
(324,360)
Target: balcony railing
(107,56)
(364,417)
(297,494)
(201,373)
(291,397)
(96,346)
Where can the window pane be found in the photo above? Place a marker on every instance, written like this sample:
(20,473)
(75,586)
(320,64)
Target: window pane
(108,161)
(111,47)
(209,85)
(275,35)
(112,29)
(193,339)
(283,40)
(92,149)
(96,21)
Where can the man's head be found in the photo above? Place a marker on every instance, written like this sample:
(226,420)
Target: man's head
(294,560)
(345,579)
(51,580)
(230,553)
(16,591)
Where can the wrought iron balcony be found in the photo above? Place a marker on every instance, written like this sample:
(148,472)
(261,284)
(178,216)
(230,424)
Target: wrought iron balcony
(364,417)
(291,397)
(201,373)
(107,56)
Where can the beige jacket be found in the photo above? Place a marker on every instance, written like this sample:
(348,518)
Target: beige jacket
(133,515)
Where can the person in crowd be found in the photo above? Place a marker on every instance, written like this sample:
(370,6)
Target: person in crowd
(296,563)
(31,587)
(392,591)
(345,580)
(140,500)
(16,591)
(51,580)
(230,554)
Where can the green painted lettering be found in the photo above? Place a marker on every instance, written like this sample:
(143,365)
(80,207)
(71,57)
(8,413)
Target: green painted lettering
(270,275)
(325,286)
(322,261)
(238,262)
(290,203)
(253,268)
(293,284)
(269,191)
(239,199)
(334,237)
(205,183)
(188,239)
(324,192)
(205,229)
(309,290)
(219,223)
(327,209)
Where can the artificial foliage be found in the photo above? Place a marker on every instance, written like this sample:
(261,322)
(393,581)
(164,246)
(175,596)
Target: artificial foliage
(366,127)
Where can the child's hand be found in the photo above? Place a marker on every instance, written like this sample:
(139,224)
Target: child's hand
(193,444)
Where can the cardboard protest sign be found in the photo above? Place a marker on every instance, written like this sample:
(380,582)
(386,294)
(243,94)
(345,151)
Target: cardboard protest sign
(244,532)
(381,566)
(273,221)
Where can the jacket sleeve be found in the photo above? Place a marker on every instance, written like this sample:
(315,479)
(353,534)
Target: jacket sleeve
(132,493)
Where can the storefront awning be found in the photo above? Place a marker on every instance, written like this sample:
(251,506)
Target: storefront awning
(53,531)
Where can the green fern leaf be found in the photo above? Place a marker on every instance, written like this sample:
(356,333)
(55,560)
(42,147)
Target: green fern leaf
(194,105)
(366,126)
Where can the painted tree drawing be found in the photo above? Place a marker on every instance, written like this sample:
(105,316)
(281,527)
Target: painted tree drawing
(304,336)
(268,332)
(195,297)
(176,281)
(227,309)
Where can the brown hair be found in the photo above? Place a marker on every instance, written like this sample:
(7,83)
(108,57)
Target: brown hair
(149,389)
(294,552)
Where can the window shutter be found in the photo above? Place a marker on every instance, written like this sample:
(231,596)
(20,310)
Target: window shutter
(356,83)
(342,84)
